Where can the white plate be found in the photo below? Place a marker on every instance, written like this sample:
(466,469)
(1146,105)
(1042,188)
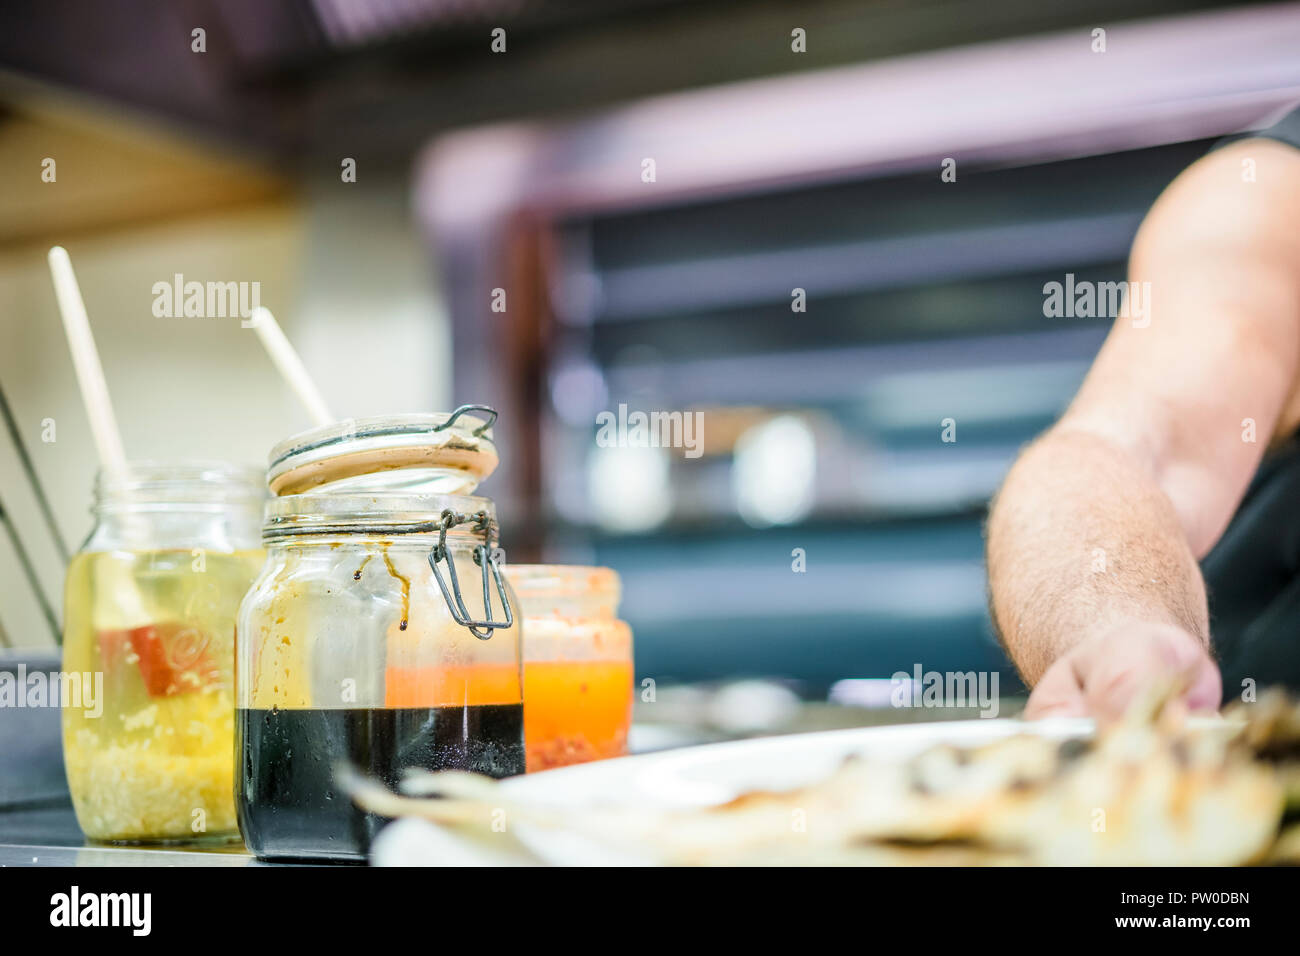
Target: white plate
(715,773)
(705,775)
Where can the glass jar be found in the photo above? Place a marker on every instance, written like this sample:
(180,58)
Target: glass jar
(380,635)
(578,680)
(150,604)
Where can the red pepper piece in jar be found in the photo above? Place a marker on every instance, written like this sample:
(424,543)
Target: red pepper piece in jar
(171,658)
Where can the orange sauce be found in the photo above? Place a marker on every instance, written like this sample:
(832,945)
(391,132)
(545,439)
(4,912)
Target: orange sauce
(575,711)
(451,685)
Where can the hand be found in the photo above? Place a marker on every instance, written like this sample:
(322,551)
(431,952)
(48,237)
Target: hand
(1101,676)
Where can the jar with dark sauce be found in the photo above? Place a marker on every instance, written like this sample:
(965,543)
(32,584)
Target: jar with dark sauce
(379,637)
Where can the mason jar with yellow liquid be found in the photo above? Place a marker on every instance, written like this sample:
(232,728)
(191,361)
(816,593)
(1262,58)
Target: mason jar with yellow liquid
(150,607)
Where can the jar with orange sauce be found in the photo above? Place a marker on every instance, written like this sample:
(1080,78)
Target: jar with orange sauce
(578,678)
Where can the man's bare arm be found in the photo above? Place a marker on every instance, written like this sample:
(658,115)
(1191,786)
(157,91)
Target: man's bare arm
(1093,540)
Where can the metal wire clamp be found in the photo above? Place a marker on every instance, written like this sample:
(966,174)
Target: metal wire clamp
(483,630)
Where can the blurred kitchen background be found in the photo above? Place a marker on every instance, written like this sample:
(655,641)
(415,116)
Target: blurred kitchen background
(780,178)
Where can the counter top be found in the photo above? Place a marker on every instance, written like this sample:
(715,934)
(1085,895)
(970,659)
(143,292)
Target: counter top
(49,836)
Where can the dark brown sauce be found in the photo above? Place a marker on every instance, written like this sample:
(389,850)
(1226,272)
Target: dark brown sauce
(290,806)
(406,589)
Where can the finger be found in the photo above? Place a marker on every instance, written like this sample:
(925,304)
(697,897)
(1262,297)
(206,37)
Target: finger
(1057,694)
(1204,687)
(1118,672)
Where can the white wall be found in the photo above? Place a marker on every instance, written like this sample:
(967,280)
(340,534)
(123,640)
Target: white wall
(345,274)
(196,387)
(374,331)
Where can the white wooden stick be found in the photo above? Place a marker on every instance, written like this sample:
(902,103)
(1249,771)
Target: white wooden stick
(117,599)
(85,359)
(287,360)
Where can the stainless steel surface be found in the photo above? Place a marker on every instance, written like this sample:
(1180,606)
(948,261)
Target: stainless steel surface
(49,836)
(20,854)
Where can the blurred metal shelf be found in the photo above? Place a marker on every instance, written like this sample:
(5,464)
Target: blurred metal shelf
(825,376)
(651,291)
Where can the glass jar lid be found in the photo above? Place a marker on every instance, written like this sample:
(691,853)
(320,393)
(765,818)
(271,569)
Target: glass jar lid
(565,581)
(443,453)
